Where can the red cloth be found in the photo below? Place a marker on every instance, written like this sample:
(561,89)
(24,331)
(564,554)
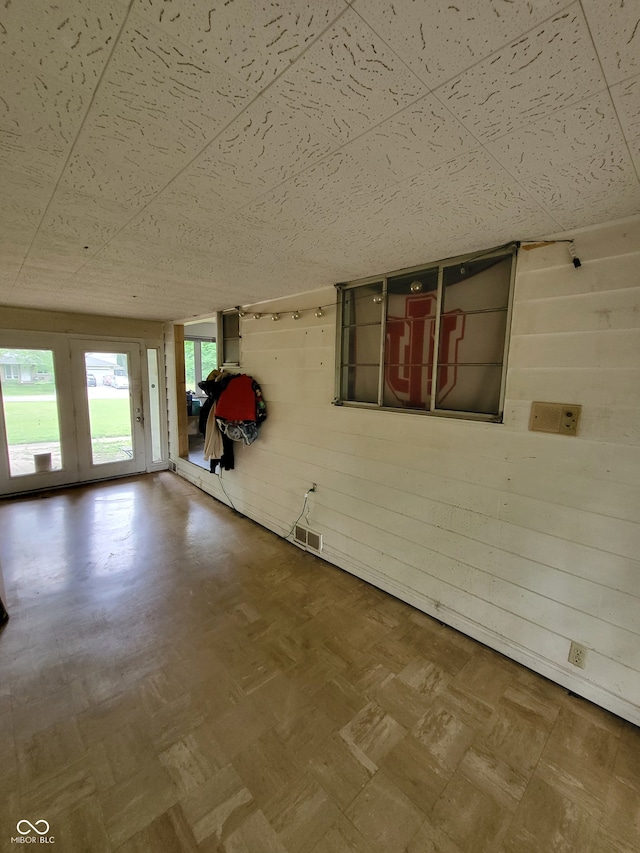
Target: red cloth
(238,400)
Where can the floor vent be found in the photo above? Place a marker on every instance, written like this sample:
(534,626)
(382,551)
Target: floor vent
(307,539)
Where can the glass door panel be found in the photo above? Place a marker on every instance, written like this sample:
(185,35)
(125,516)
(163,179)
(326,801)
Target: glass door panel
(30,410)
(107,380)
(110,418)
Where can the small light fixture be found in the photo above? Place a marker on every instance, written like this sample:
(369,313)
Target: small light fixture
(241,313)
(275,317)
(416,286)
(257,316)
(319,313)
(462,270)
(295,315)
(378,300)
(574,256)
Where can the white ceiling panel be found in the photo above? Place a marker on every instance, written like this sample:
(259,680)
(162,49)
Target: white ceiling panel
(24,199)
(552,66)
(602,185)
(615,27)
(62,39)
(215,154)
(348,81)
(436,40)
(565,136)
(39,119)
(260,150)
(254,41)
(626,97)
(419,138)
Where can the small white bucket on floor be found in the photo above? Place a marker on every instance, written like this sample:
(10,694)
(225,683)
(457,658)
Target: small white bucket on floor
(42,461)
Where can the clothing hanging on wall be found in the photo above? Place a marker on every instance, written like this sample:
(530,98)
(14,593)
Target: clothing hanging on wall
(233,411)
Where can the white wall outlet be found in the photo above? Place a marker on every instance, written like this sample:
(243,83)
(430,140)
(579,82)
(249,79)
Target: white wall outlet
(577,655)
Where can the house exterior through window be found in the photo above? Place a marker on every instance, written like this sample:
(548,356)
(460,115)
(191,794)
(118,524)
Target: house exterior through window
(432,339)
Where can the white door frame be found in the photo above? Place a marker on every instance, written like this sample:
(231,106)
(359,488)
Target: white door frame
(87,470)
(73,416)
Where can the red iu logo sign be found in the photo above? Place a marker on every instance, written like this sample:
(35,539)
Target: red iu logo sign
(410,349)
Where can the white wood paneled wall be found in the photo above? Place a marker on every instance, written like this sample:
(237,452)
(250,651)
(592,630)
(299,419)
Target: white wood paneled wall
(522,540)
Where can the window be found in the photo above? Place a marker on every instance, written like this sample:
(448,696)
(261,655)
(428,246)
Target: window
(230,321)
(199,359)
(11,371)
(432,339)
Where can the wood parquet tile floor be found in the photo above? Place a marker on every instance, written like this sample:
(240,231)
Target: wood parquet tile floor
(176,678)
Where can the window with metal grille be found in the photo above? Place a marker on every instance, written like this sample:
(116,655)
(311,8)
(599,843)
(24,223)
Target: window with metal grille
(430,339)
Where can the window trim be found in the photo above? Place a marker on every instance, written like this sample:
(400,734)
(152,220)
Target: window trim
(440,265)
(222,340)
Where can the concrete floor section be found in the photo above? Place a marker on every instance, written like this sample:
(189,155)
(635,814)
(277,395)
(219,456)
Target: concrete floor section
(176,678)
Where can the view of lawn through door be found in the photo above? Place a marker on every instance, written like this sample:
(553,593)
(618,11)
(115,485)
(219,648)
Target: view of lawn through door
(30,410)
(31,415)
(109,407)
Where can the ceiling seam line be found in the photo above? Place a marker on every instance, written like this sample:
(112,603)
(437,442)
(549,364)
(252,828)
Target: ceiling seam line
(75,141)
(207,144)
(479,61)
(613,103)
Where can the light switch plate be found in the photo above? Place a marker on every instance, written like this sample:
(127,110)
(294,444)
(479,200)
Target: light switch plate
(555,418)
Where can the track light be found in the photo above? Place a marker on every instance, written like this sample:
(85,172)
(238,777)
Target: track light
(415,286)
(319,313)
(241,313)
(257,316)
(295,315)
(275,317)
(378,300)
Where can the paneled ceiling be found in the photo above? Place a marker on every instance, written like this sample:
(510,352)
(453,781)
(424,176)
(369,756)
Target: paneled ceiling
(167,158)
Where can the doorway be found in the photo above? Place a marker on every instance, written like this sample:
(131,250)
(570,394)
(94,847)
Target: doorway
(71,410)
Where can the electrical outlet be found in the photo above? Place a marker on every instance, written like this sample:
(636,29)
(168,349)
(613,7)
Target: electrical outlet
(577,655)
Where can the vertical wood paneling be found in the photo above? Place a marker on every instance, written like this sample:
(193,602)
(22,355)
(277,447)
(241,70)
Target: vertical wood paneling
(525,541)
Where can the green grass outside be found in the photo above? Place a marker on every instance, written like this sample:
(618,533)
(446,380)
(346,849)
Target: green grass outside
(33,389)
(32,421)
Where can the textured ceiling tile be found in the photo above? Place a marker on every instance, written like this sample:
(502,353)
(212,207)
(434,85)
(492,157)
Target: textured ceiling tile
(421,137)
(615,27)
(64,39)
(474,181)
(255,41)
(24,199)
(14,245)
(319,195)
(156,109)
(158,86)
(348,81)
(437,40)
(124,180)
(550,67)
(39,119)
(55,252)
(626,97)
(88,222)
(265,146)
(603,188)
(567,135)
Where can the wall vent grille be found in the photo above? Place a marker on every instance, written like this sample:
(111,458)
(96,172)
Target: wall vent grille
(307,539)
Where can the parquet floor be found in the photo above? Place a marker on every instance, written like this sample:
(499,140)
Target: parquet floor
(176,678)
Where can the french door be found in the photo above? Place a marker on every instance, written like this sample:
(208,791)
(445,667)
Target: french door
(71,410)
